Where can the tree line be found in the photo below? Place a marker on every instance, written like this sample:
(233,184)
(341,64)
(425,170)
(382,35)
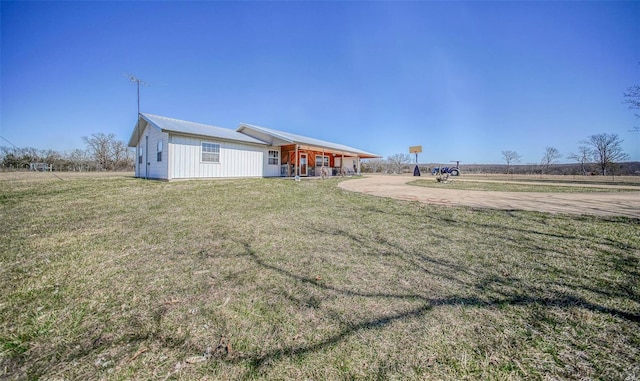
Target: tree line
(601,153)
(604,151)
(103,152)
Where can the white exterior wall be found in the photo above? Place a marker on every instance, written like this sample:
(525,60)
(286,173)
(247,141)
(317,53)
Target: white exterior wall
(271,170)
(152,168)
(158,169)
(236,159)
(349,162)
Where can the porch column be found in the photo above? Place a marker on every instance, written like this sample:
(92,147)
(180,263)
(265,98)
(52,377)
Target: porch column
(358,164)
(342,165)
(296,162)
(322,165)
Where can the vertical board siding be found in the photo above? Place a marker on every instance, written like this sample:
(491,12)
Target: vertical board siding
(158,169)
(155,169)
(236,159)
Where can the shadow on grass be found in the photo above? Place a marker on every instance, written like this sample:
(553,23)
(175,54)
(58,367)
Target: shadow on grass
(522,295)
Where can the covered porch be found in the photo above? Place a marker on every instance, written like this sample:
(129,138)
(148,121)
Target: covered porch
(313,161)
(302,156)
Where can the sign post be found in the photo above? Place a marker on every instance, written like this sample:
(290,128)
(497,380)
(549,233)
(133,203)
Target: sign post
(416,150)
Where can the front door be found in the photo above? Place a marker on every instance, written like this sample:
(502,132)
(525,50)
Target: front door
(303,164)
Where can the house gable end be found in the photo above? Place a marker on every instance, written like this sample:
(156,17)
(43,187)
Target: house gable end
(269,139)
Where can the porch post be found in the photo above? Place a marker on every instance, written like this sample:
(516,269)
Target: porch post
(358,164)
(342,165)
(296,162)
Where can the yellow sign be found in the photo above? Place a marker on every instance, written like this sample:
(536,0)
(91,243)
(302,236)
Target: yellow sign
(415,149)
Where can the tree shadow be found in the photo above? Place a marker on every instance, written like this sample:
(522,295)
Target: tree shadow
(490,291)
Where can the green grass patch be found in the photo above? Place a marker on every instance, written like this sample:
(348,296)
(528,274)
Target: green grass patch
(121,278)
(505,186)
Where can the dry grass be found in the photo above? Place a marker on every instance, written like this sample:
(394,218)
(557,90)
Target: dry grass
(120,278)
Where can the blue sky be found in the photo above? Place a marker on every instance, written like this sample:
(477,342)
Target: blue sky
(465,80)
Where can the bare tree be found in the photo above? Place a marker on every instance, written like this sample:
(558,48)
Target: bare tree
(510,157)
(606,150)
(632,98)
(107,152)
(11,158)
(374,165)
(120,155)
(80,160)
(581,157)
(55,159)
(551,156)
(397,161)
(100,148)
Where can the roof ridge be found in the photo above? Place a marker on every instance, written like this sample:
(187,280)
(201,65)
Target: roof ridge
(184,121)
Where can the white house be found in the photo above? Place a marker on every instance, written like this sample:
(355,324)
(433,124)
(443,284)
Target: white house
(168,148)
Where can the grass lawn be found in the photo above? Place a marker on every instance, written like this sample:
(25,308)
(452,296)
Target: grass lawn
(121,278)
(506,186)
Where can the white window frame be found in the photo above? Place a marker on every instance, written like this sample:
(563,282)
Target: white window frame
(209,146)
(159,151)
(325,158)
(276,157)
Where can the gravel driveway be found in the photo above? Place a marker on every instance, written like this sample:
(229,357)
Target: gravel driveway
(599,203)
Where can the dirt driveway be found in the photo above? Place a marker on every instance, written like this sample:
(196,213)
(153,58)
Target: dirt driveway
(599,203)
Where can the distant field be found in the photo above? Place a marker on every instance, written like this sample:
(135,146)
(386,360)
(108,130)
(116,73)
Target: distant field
(560,179)
(509,186)
(111,277)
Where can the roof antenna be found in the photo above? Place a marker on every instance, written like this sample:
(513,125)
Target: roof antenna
(132,78)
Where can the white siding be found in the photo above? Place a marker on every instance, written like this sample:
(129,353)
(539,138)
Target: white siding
(158,169)
(349,162)
(271,170)
(236,159)
(150,167)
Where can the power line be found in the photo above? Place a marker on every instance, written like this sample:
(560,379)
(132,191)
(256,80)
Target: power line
(3,138)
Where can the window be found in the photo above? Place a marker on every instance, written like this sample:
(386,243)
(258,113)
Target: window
(140,154)
(160,150)
(273,157)
(319,160)
(210,153)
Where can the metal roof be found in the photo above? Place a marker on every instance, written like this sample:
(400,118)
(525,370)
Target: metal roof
(191,128)
(304,140)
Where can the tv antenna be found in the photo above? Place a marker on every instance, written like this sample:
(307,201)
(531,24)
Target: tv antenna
(133,79)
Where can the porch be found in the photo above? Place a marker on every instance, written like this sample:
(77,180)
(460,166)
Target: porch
(307,161)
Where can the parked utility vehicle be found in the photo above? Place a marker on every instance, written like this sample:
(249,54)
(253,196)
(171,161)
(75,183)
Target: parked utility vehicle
(453,171)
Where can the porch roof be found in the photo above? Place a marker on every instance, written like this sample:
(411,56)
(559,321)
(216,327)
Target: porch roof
(305,142)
